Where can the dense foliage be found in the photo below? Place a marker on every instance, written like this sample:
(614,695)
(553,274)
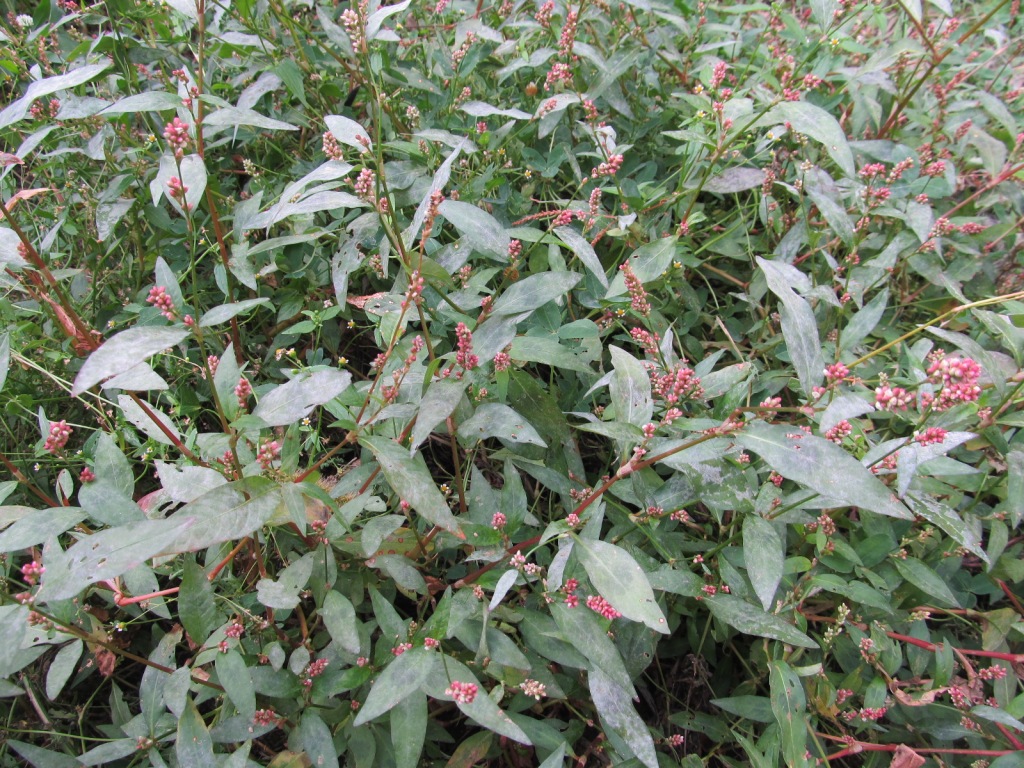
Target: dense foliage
(540,383)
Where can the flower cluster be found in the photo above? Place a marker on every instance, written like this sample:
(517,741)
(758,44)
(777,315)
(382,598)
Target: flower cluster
(599,605)
(931,436)
(243,389)
(331,147)
(498,521)
(463,693)
(269,452)
(608,168)
(464,353)
(314,669)
(58,436)
(637,293)
(176,134)
(958,377)
(839,432)
(160,299)
(31,572)
(680,383)
(534,689)
(892,398)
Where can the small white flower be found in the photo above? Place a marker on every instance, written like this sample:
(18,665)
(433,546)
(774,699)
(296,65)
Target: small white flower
(24,21)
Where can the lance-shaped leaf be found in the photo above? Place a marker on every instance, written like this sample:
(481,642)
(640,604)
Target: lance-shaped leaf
(745,617)
(227,512)
(105,555)
(296,399)
(348,131)
(799,328)
(17,110)
(401,678)
(621,581)
(436,405)
(789,705)
(534,291)
(498,420)
(822,466)
(482,231)
(806,118)
(124,351)
(765,553)
(619,716)
(137,416)
(630,389)
(411,480)
(584,252)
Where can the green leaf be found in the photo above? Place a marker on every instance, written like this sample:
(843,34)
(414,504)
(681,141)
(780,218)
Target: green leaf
(865,321)
(348,131)
(105,555)
(124,351)
(789,705)
(224,312)
(472,751)
(582,630)
(621,581)
(339,617)
(233,674)
(822,466)
(630,389)
(765,554)
(401,678)
(498,420)
(649,263)
(154,681)
(409,729)
(38,757)
(746,618)
(584,251)
(481,231)
(39,526)
(940,514)
(437,404)
(227,512)
(824,193)
(411,480)
(284,592)
(615,707)
(734,180)
(149,101)
(17,110)
(194,745)
(541,349)
(755,708)
(316,740)
(197,607)
(482,709)
(62,667)
(147,425)
(295,400)
(994,715)
(232,117)
(799,327)
(925,579)
(806,118)
(533,292)
(5,358)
